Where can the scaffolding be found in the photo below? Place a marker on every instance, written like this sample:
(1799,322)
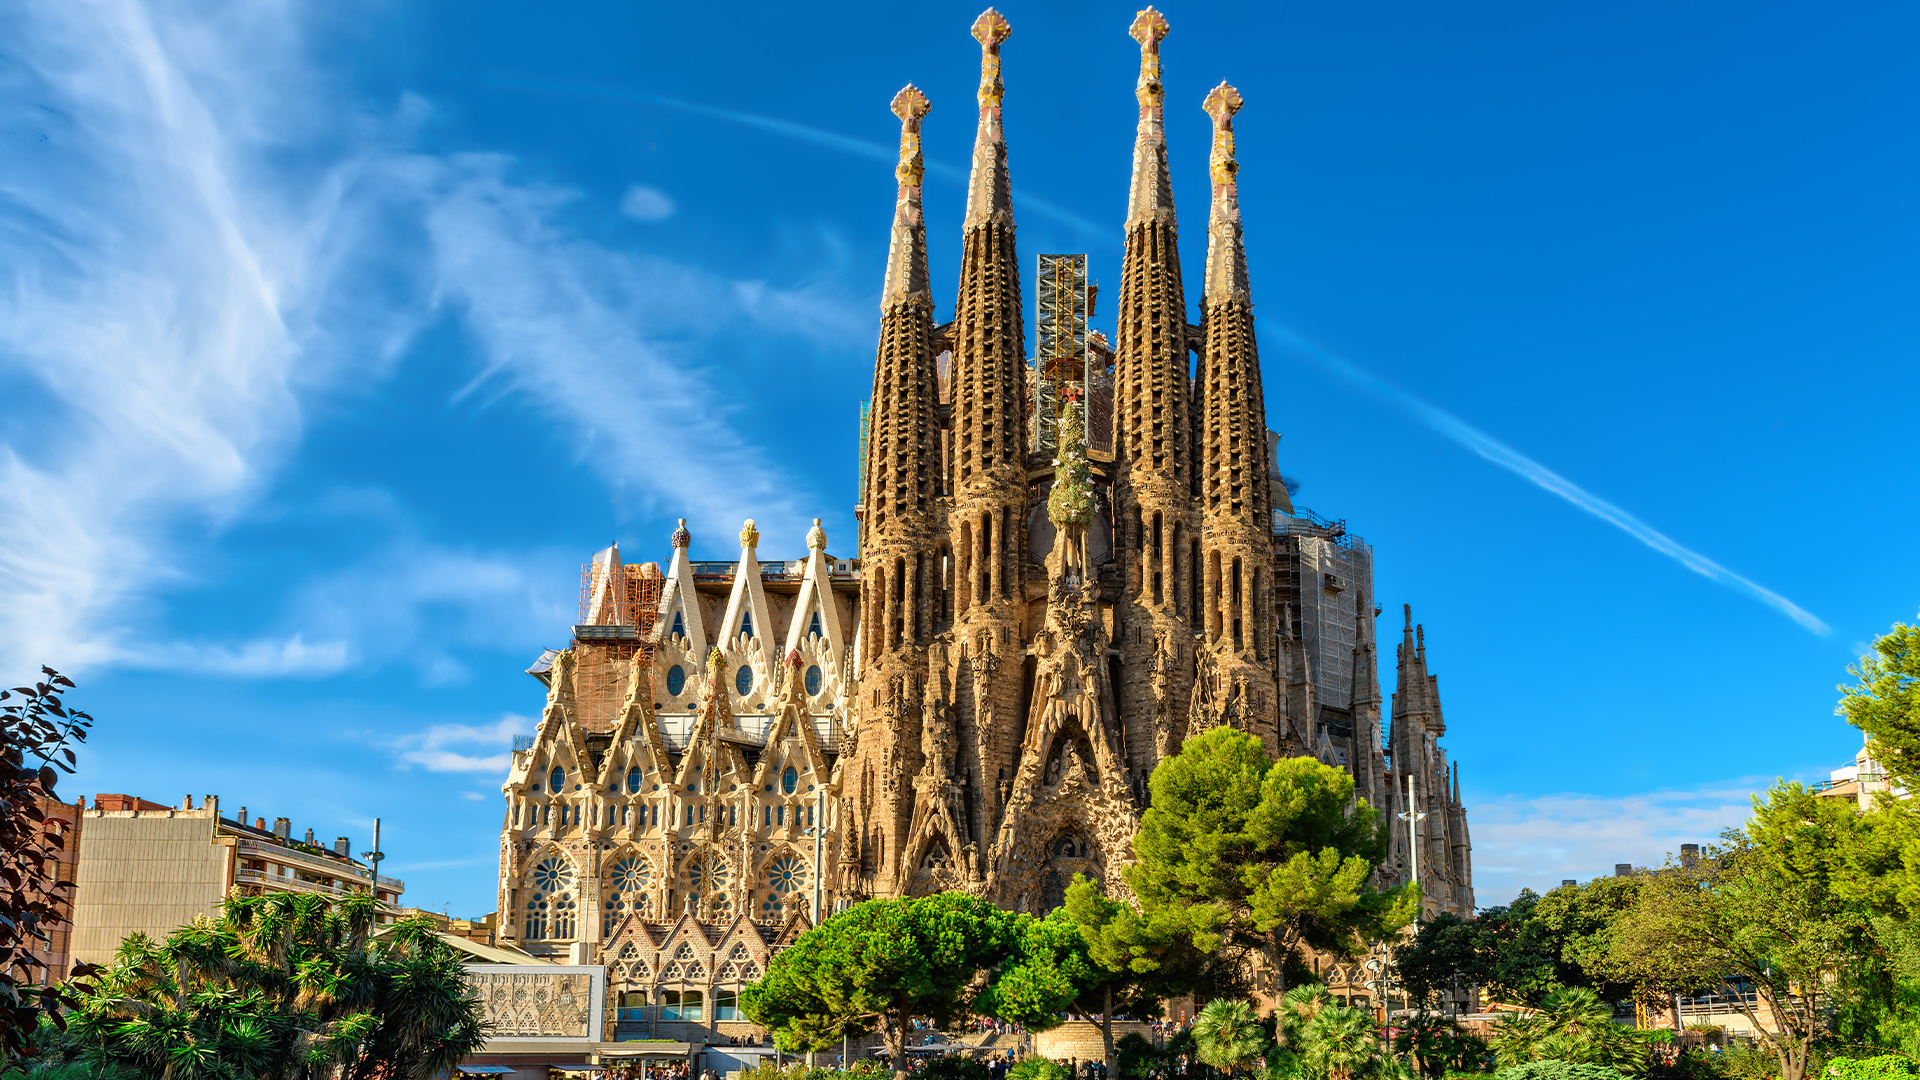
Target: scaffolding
(1061,357)
(619,605)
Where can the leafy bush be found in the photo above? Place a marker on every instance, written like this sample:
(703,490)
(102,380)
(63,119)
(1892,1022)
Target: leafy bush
(950,1067)
(1749,1063)
(1884,1067)
(1550,1069)
(1038,1068)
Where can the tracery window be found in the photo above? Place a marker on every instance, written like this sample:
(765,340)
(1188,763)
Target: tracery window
(551,910)
(707,879)
(626,891)
(786,884)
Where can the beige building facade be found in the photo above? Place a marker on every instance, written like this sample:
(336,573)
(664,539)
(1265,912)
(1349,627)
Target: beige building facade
(150,868)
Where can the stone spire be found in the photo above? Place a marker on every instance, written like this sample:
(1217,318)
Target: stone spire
(1236,492)
(1226,248)
(1153,426)
(1151,197)
(989,191)
(987,458)
(906,280)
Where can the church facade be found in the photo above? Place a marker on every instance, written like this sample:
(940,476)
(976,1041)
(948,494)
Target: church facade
(1069,563)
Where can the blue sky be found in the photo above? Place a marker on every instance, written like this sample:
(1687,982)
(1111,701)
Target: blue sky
(333,338)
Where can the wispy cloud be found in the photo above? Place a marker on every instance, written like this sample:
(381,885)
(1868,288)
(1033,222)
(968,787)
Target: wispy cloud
(1536,842)
(813,136)
(202,238)
(463,747)
(1539,475)
(270,658)
(642,203)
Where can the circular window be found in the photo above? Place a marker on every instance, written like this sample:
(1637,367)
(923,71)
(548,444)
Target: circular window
(557,780)
(813,679)
(789,780)
(676,680)
(743,680)
(552,874)
(787,874)
(633,780)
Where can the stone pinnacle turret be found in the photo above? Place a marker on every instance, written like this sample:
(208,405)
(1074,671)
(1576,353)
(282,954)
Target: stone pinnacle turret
(906,280)
(1235,492)
(1153,422)
(989,191)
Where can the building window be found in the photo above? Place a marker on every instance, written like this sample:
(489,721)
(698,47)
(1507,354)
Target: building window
(746,623)
(680,628)
(789,780)
(743,680)
(551,909)
(626,885)
(813,676)
(633,780)
(813,626)
(557,780)
(676,675)
(726,1005)
(786,885)
(686,1005)
(633,1006)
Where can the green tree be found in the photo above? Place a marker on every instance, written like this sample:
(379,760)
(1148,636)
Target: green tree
(1094,955)
(281,986)
(1446,952)
(37,736)
(1436,1043)
(1522,963)
(1341,1043)
(1765,909)
(1573,1025)
(877,966)
(1253,855)
(1884,701)
(1577,924)
(1227,1035)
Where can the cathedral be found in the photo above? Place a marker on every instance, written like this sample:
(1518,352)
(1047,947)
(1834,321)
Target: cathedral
(1068,563)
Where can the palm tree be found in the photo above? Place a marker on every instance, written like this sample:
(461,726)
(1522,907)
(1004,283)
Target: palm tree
(1227,1035)
(1340,1043)
(284,986)
(1573,1025)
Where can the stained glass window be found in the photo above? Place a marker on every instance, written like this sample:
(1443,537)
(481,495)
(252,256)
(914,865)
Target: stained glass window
(551,910)
(557,780)
(633,780)
(743,680)
(813,679)
(813,626)
(626,885)
(680,623)
(746,623)
(786,880)
(789,780)
(676,680)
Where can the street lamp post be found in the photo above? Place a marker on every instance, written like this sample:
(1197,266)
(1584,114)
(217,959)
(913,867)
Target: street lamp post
(1413,818)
